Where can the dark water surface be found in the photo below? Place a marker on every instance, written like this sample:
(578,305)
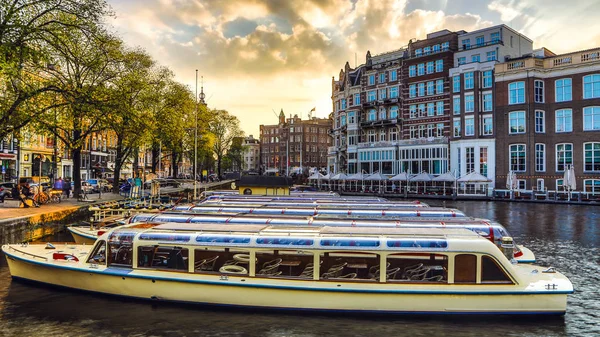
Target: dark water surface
(564,236)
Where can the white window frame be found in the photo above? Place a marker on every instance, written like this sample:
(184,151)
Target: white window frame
(412,71)
(591,118)
(538,91)
(516,90)
(439,86)
(564,120)
(469,82)
(371,80)
(456,128)
(540,161)
(456,107)
(469,102)
(518,164)
(565,151)
(456,83)
(564,88)
(469,125)
(540,121)
(430,67)
(591,89)
(518,119)
(487,102)
(439,66)
(484,124)
(595,159)
(487,76)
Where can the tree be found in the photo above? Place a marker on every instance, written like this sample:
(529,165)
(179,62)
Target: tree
(26,27)
(224,127)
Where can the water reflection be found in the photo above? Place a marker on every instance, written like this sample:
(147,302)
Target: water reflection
(562,236)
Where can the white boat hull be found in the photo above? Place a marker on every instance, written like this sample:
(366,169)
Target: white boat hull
(273,293)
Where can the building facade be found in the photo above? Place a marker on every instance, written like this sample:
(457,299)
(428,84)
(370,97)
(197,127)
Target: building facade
(294,144)
(472,136)
(548,118)
(251,154)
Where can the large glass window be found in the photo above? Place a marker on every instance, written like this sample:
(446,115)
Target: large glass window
(466,44)
(591,156)
(475,58)
(591,118)
(456,105)
(479,41)
(382,78)
(469,80)
(351,117)
(495,37)
(393,75)
(540,121)
(462,60)
(564,156)
(430,109)
(564,120)
(516,122)
(483,161)
(412,111)
(487,79)
(516,93)
(591,86)
(491,272)
(456,127)
(372,79)
(439,87)
(421,89)
(517,157)
(592,186)
(412,91)
(439,107)
(394,92)
(394,112)
(430,88)
(456,83)
(470,159)
(563,90)
(356,99)
(540,157)
(487,102)
(469,126)
(371,96)
(538,90)
(439,66)
(488,125)
(469,103)
(421,69)
(371,115)
(382,93)
(412,71)
(491,55)
(430,68)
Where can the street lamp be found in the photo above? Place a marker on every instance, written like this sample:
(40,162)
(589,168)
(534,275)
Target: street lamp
(196,138)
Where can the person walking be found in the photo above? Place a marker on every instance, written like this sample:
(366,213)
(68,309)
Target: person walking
(66,188)
(17,195)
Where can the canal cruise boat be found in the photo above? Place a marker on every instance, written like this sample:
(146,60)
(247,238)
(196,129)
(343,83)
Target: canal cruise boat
(339,269)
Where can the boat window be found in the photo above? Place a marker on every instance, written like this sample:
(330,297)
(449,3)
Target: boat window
(350,242)
(416,267)
(98,255)
(417,243)
(346,266)
(221,260)
(284,241)
(120,253)
(165,237)
(491,272)
(465,268)
(219,239)
(284,263)
(163,257)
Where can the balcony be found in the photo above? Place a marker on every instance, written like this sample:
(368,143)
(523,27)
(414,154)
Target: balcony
(479,45)
(380,122)
(559,61)
(377,144)
(423,141)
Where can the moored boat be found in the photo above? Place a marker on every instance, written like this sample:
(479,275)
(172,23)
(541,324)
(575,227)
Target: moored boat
(391,270)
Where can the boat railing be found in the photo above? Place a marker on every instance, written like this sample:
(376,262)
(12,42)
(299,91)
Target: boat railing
(26,253)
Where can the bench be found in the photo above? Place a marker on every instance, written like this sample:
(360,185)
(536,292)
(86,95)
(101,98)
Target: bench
(11,203)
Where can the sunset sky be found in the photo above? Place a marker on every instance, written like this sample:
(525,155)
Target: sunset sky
(260,56)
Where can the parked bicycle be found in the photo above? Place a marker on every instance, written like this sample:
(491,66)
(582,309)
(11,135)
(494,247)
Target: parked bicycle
(40,197)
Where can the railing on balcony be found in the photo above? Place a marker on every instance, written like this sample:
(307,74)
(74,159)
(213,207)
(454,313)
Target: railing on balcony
(379,122)
(550,62)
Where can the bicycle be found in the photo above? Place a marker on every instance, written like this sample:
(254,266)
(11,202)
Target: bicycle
(41,197)
(55,196)
(82,195)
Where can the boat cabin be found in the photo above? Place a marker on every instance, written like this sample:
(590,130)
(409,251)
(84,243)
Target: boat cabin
(340,254)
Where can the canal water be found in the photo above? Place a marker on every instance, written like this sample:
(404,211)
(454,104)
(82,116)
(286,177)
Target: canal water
(564,236)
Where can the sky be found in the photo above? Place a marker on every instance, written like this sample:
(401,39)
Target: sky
(257,57)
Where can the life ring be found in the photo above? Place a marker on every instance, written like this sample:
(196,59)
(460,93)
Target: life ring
(233,269)
(244,258)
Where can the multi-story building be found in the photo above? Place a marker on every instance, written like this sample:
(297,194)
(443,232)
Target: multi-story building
(37,155)
(251,154)
(426,104)
(294,144)
(472,139)
(548,118)
(9,149)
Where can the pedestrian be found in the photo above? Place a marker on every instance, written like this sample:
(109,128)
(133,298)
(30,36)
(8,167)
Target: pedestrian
(16,194)
(66,187)
(58,184)
(393,187)
(26,191)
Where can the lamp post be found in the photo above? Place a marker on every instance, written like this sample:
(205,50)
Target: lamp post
(196,138)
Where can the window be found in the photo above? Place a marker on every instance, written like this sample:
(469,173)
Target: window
(382,78)
(422,111)
(413,132)
(393,75)
(470,159)
(430,88)
(516,122)
(469,103)
(517,157)
(439,66)
(412,71)
(591,86)
(564,156)
(422,131)
(393,92)
(439,129)
(412,111)
(540,157)
(430,130)
(487,102)
(351,117)
(563,90)
(469,80)
(343,102)
(465,268)
(356,99)
(393,112)
(445,46)
(456,83)
(456,105)
(491,55)
(456,127)
(487,79)
(488,125)
(382,114)
(371,96)
(475,58)
(430,67)
(382,93)
(483,161)
(466,43)
(591,157)
(418,52)
(439,87)
(564,120)
(439,107)
(421,69)
(516,93)
(479,41)
(491,272)
(412,91)
(592,185)
(372,79)
(426,50)
(469,126)
(495,37)
(421,91)
(538,91)
(342,120)
(462,60)
(540,121)
(371,115)
(436,48)
(591,118)
(394,132)
(430,109)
